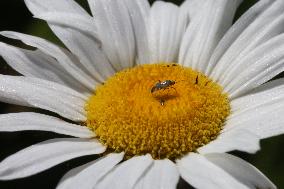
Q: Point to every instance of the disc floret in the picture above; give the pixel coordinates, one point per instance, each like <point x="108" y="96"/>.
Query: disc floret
<point x="128" y="115"/>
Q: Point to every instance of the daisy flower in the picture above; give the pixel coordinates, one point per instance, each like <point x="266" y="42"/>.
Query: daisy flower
<point x="160" y="92"/>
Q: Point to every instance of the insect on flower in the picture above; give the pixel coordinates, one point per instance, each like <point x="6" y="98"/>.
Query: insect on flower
<point x="166" y="84"/>
<point x="163" y="85"/>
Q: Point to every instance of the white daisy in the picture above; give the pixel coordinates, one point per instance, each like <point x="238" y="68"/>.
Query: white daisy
<point x="153" y="121"/>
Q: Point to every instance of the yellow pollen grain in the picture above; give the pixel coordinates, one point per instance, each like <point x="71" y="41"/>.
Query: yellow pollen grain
<point x="168" y="123"/>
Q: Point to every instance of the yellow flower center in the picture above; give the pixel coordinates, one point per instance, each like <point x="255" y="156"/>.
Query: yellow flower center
<point x="165" y="110"/>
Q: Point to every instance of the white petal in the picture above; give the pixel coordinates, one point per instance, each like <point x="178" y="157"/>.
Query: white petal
<point x="266" y="94"/>
<point x="233" y="33"/>
<point x="43" y="94"/>
<point x="79" y="22"/>
<point x="241" y="170"/>
<point x="191" y="7"/>
<point x="34" y="121"/>
<point x="260" y="112"/>
<point x="115" y="31"/>
<point x="139" y="11"/>
<point x="44" y="155"/>
<point x="165" y="28"/>
<point x="235" y="140"/>
<point x="205" y="30"/>
<point x="259" y="66"/>
<point x="255" y="27"/>
<point x="86" y="176"/>
<point x="38" y="64"/>
<point x="203" y="174"/>
<point x="68" y="63"/>
<point x="88" y="51"/>
<point x="85" y="47"/>
<point x="265" y="124"/>
<point x="39" y="6"/>
<point x="245" y="59"/>
<point x="163" y="174"/>
<point x="126" y="174"/>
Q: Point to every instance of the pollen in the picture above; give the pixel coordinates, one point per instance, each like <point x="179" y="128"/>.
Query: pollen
<point x="164" y="109"/>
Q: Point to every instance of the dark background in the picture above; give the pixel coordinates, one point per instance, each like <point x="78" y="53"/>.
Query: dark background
<point x="15" y="16"/>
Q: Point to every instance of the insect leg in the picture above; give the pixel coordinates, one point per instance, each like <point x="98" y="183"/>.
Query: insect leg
<point x="207" y="83"/>
<point x="196" y="80"/>
<point x="162" y="102"/>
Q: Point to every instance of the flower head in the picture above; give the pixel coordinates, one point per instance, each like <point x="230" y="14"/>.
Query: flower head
<point x="161" y="92"/>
